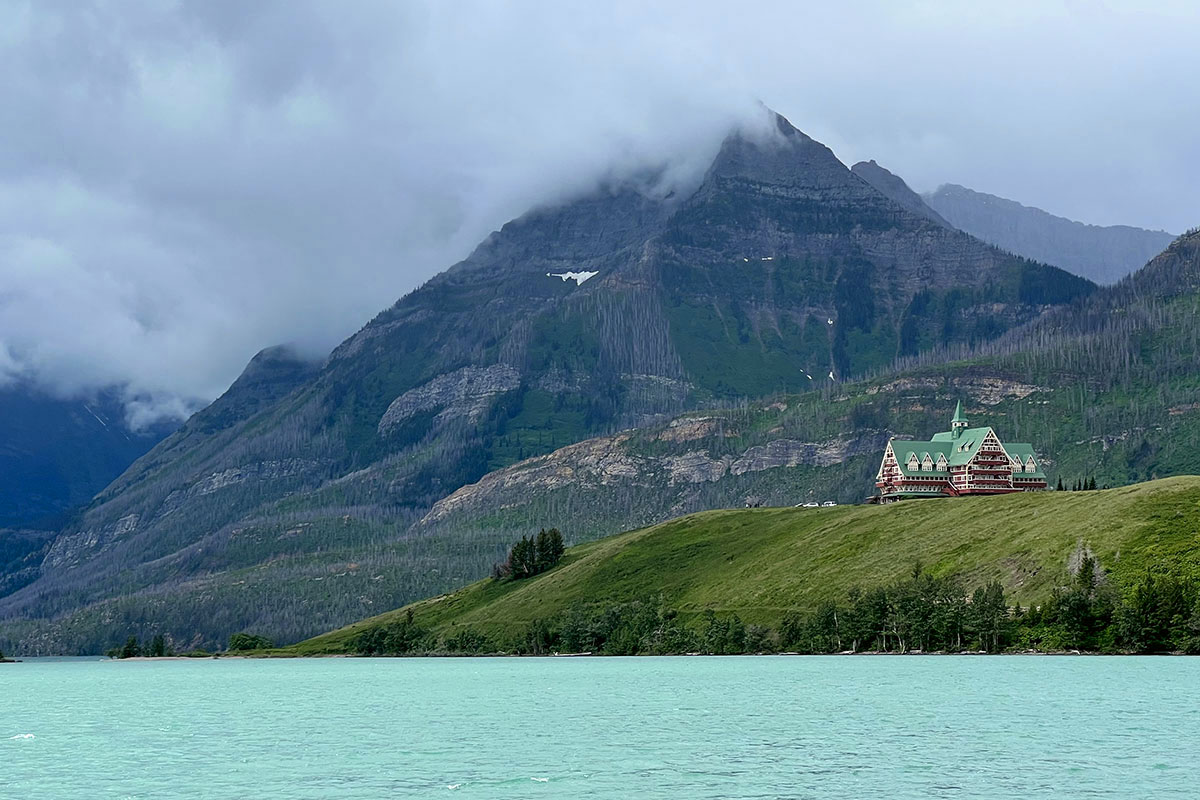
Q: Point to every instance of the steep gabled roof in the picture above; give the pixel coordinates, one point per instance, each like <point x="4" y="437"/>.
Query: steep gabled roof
<point x="966" y="433"/>
<point x="1024" y="452"/>
<point x="961" y="449"/>
<point x="903" y="449"/>
<point x="958" y="447"/>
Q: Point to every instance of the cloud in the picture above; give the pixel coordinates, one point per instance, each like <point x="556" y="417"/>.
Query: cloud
<point x="183" y="184"/>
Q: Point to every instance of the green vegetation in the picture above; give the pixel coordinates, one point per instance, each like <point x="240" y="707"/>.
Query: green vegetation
<point x="157" y="648"/>
<point x="768" y="577"/>
<point x="531" y="556"/>
<point x="919" y="613"/>
<point x="241" y="642"/>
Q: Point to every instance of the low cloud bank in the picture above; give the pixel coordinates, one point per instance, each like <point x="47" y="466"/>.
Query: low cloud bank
<point x="184" y="184"/>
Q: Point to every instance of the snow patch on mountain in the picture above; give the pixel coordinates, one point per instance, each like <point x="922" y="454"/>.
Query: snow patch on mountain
<point x="578" y="277"/>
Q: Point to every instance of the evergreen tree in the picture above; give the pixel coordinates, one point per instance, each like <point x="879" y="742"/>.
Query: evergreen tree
<point x="1060" y="486"/>
<point x="531" y="555"/>
<point x="989" y="612"/>
<point x="1084" y="608"/>
<point x="522" y="559"/>
<point x="538" y="638"/>
<point x="578" y="632"/>
<point x="723" y="637"/>
<point x="791" y="632"/>
<point x="540" y="552"/>
<point x="550" y="548"/>
<point x="131" y="648"/>
<point x="1153" y="614"/>
<point x="858" y="621"/>
<point x="158" y="646"/>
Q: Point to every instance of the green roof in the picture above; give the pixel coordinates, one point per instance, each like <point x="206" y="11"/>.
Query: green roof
<point x="902" y="449"/>
<point x="958" y="450"/>
<point x="958" y="415"/>
<point x="1025" y="452"/>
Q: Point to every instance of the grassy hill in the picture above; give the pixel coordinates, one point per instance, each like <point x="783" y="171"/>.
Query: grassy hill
<point x="763" y="563"/>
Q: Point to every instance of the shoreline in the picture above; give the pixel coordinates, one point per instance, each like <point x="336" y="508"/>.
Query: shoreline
<point x="912" y="654"/>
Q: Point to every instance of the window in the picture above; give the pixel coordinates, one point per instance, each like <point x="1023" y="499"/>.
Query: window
<point x="1029" y="465"/>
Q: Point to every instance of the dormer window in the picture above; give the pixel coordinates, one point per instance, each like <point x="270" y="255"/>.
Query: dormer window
<point x="927" y="464"/>
<point x="1029" y="465"/>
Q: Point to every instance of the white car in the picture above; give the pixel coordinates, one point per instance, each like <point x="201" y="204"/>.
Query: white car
<point x="828" y="504"/>
<point x="811" y="504"/>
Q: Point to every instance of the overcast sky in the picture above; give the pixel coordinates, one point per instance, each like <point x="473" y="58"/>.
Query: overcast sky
<point x="183" y="184"/>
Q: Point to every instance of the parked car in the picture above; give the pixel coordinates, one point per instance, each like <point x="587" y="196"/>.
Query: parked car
<point x="812" y="504"/>
<point x="828" y="504"/>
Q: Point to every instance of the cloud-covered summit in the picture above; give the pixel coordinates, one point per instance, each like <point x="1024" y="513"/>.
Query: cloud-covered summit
<point x="183" y="184"/>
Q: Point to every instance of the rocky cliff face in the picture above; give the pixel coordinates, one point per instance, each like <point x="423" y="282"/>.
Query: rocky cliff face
<point x="782" y="271"/>
<point x="466" y="392"/>
<point x="1101" y="254"/>
<point x="709" y="460"/>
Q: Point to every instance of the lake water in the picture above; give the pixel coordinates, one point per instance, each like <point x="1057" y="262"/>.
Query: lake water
<point x="734" y="727"/>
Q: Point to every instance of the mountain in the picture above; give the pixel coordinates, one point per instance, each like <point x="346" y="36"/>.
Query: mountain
<point x="56" y="454"/>
<point x="762" y="564"/>
<point x="1105" y="388"/>
<point x="293" y="506"/>
<point x="894" y="187"/>
<point x="1101" y="254"/>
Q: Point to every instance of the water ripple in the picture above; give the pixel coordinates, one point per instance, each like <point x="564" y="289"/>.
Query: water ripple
<point x="606" y="728"/>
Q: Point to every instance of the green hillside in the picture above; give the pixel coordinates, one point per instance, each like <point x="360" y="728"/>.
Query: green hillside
<point x="761" y="564"/>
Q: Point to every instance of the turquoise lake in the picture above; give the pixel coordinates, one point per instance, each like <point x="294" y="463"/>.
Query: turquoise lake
<point x="732" y="727"/>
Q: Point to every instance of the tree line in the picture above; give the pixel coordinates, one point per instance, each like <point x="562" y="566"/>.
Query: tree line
<point x="922" y="612"/>
<point x="1081" y="485"/>
<point x="159" y="647"/>
<point x="133" y="648"/>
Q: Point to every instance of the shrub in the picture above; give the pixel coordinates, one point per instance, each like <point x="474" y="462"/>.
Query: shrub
<point x="240" y="642"/>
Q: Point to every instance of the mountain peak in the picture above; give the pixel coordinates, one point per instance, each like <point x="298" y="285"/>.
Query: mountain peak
<point x="894" y="187"/>
<point x="780" y="154"/>
<point x="1101" y="254"/>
